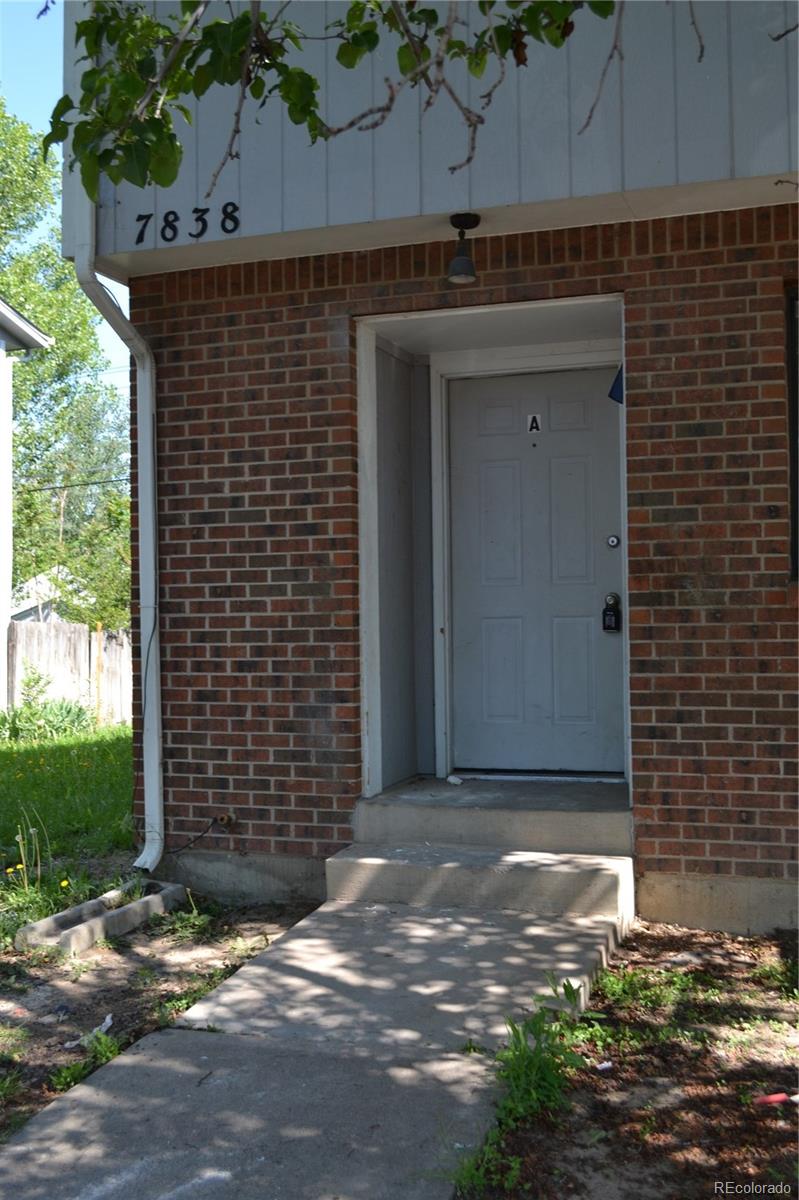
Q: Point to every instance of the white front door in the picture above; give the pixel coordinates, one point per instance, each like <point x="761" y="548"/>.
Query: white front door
<point x="535" y="502"/>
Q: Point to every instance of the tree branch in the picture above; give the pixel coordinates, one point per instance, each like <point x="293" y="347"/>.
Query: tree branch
<point x="488" y="96"/>
<point x="777" y="37"/>
<point x="169" y="61"/>
<point x="231" y="150"/>
<point x="692" y="14"/>
<point x="615" y="50"/>
<point x="413" y="41"/>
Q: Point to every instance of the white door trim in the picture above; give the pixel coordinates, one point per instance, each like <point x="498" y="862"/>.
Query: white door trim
<point x="368" y="559"/>
<point x="496" y="361"/>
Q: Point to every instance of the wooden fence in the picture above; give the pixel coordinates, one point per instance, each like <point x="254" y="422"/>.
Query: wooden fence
<point x="92" y="668"/>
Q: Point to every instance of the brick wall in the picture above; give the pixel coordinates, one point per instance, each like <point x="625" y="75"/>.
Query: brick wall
<point x="258" y="553"/>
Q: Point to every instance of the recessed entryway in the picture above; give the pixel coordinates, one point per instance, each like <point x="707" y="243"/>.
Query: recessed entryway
<point x="492" y="530"/>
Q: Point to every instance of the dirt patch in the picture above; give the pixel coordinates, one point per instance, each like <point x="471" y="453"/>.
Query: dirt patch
<point x="696" y="1027"/>
<point x="48" y="1000"/>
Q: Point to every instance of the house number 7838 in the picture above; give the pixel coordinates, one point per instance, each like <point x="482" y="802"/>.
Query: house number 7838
<point x="170" y="223"/>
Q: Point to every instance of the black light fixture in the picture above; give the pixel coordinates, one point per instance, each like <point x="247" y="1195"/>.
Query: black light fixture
<point x="461" y="269"/>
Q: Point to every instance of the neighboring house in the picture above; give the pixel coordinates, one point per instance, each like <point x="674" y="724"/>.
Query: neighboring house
<point x="37" y="599"/>
<point x="391" y="508"/>
<point x="16" y="333"/>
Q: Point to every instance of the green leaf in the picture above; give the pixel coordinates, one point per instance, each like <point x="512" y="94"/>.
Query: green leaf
<point x="348" y="55"/>
<point x="553" y="35"/>
<point x="89" y="80"/>
<point x="424" y="16"/>
<point x="204" y="76"/>
<point x="503" y="35"/>
<point x="355" y="14"/>
<point x="165" y="161"/>
<point x="407" y="60"/>
<point x="257" y="87"/>
<point x="135" y="163"/>
<point x="532" y="22"/>
<point x="90" y="175"/>
<point x="64" y="106"/>
<point x="477" y="63"/>
<point x="601" y="8"/>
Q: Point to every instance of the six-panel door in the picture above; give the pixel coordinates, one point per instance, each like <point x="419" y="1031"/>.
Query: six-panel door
<point x="535" y="495"/>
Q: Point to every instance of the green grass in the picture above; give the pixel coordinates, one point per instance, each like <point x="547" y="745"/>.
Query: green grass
<point x="780" y="977"/>
<point x="19" y="905"/>
<point x="76" y="791"/>
<point x="652" y="989"/>
<point x="10" y="1086"/>
<point x="13" y="1040"/>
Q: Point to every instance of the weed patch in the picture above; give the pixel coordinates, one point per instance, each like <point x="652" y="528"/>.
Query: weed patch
<point x="10" y="1085"/>
<point x="199" y="924"/>
<point x="198" y="986"/>
<point x="534" y="1069"/>
<point x="100" y="1049"/>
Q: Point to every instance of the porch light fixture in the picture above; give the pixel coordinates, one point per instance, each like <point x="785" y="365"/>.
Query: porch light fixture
<point x="461" y="269"/>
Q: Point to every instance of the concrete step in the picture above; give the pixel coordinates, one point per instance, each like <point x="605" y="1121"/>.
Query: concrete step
<point x="482" y="877"/>
<point x="566" y="819"/>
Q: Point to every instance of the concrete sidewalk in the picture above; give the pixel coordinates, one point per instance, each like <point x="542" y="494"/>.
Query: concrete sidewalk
<point x="330" y="1067"/>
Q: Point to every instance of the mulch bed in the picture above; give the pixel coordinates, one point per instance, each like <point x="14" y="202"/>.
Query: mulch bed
<point x="47" y="1000"/>
<point x="675" y="1115"/>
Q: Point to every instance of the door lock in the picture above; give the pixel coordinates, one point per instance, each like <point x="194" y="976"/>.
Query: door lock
<point x="611" y="614"/>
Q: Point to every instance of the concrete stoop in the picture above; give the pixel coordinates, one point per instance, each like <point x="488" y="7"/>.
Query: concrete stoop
<point x="560" y="817"/>
<point x="552" y="848"/>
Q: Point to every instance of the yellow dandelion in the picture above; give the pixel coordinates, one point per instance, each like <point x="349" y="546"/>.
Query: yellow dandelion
<point x="19" y="867"/>
<point x="10" y="870"/>
<point x="64" y="883"/>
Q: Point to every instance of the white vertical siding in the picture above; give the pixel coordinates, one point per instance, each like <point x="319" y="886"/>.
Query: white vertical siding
<point x="663" y="119"/>
<point x="648" y="70"/>
<point x="444" y="143"/>
<point x="350" y="157"/>
<point x="704" y="140"/>
<point x="544" y="100"/>
<point x="397" y="149"/>
<point x="494" y="174"/>
<point x="759" y="117"/>
<point x="596" y="154"/>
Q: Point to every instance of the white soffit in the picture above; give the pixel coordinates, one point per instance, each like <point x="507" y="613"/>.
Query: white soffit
<point x="535" y="323"/>
<point x="648" y="203"/>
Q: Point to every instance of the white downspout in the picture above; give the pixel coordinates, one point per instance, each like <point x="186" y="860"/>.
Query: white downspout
<point x="149" y="650"/>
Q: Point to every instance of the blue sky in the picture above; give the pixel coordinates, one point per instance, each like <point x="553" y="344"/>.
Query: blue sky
<point x="31" y="83"/>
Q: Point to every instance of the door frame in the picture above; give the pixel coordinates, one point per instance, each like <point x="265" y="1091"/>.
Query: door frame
<point x="473" y="364"/>
<point x="463" y="363"/>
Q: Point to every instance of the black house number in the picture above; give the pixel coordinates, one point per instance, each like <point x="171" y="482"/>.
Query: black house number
<point x="228" y="218"/>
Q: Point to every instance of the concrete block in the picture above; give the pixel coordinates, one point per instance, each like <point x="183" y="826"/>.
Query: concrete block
<point x="79" y="927"/>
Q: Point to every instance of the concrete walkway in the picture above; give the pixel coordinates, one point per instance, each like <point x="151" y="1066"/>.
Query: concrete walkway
<point x="330" y="1067"/>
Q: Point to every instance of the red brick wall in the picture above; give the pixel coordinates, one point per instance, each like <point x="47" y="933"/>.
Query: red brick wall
<point x="258" y="501"/>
